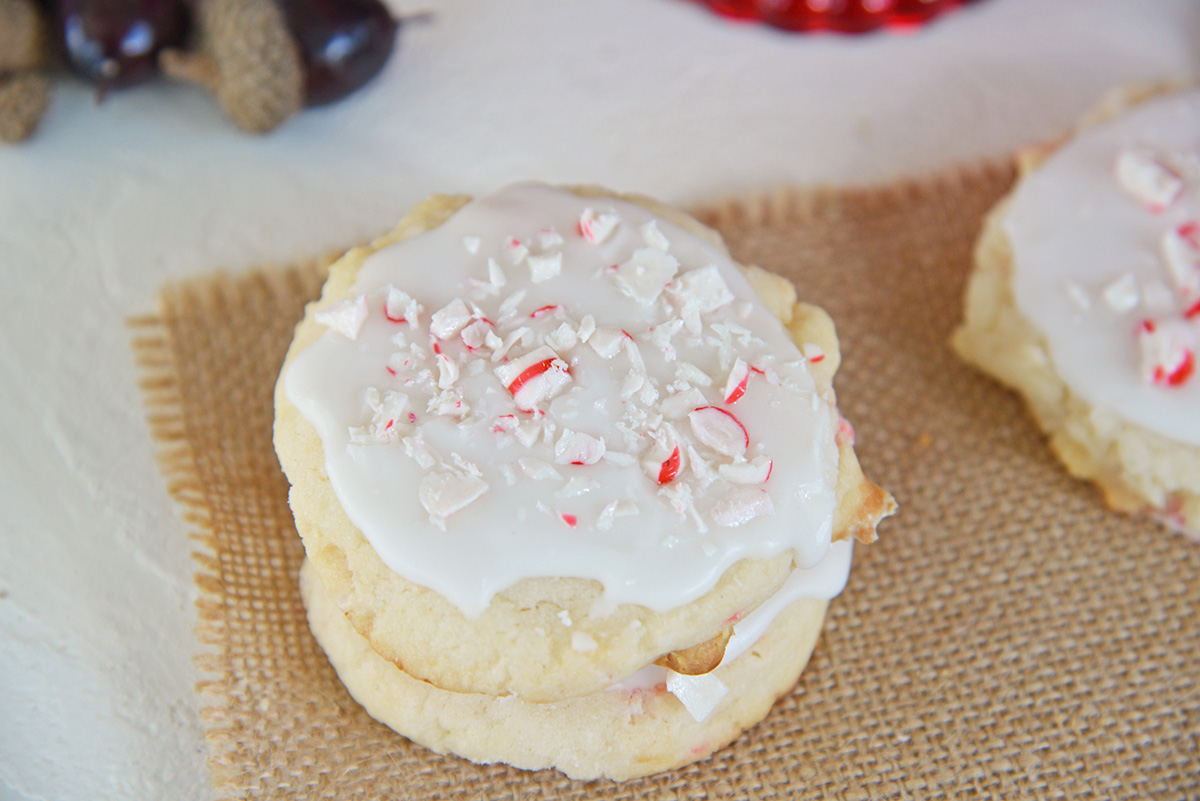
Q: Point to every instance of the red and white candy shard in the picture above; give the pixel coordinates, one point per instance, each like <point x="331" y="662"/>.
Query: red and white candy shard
<point x="400" y="308"/>
<point x="346" y="316"/>
<point x="596" y="226"/>
<point x="813" y="352"/>
<point x="443" y="493"/>
<point x="535" y="377"/>
<point x="741" y="505"/>
<point x="1144" y="176"/>
<point x="1168" y="352"/>
<point x="575" y="447"/>
<point x="1181" y="251"/>
<point x="646" y="274"/>
<point x="739" y="378"/>
<point x="719" y="430"/>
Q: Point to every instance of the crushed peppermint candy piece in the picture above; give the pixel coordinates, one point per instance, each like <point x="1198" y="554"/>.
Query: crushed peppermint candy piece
<point x="575" y="447"/>
<point x="595" y="226"/>
<point x="475" y="335"/>
<point x="549" y="238"/>
<point x="735" y="385"/>
<point x="450" y="319"/>
<point x="400" y="308"/>
<point x="668" y="469"/>
<point x="698" y="292"/>
<point x="1168" y="352"/>
<point x="752" y="472"/>
<point x="535" y="377"/>
<point x="345" y="316"/>
<point x="719" y="430"/>
<point x="646" y="274"/>
<point x="537" y="469"/>
<point x="682" y="403"/>
<point x="813" y="352"/>
<point x="1144" y="176"/>
<point x="1122" y="294"/>
<point x="653" y="237"/>
<point x="543" y="268"/>
<point x="607" y="342"/>
<point x="516" y="249"/>
<point x="741" y="505"/>
<point x="445" y="492"/>
<point x="471" y="244"/>
<point x="1181" y="251"/>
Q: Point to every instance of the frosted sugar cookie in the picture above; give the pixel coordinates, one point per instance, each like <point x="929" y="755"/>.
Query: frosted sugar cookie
<point x="542" y="440"/>
<point x="1086" y="299"/>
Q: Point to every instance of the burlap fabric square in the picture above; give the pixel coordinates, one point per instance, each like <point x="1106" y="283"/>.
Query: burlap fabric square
<point x="1007" y="637"/>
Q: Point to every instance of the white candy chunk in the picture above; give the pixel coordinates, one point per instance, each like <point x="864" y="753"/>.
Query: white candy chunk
<point x="575" y="447"/>
<point x="399" y="307"/>
<point x="537" y="469"/>
<point x="741" y="505"/>
<point x="471" y="244"/>
<point x="449" y="320"/>
<point x="493" y="340"/>
<point x="505" y="424"/>
<point x="1121" y="295"/>
<point x="682" y="403"/>
<point x="698" y="694"/>
<point x="1168" y="351"/>
<point x="587" y="327"/>
<point x="719" y="430"/>
<point x="596" y="225"/>
<point x="1181" y="251"/>
<point x="653" y="237"/>
<point x="618" y="458"/>
<point x="739" y="379"/>
<point x="543" y="268"/>
<point x="752" y="472"/>
<point x="1143" y="175"/>
<point x="563" y="338"/>
<point x="583" y="642"/>
<point x="443" y="493"/>
<point x="516" y="250"/>
<point x="449" y="403"/>
<point x="346" y="316"/>
<point x="447" y="371"/>
<point x="549" y="238"/>
<point x="496" y="273"/>
<point x="508" y="307"/>
<point x="1078" y="296"/>
<point x="536" y="377"/>
<point x="606" y="342"/>
<point x="646" y="274"/>
<point x="475" y="335"/>
<point x="691" y="374"/>
<point x="699" y="292"/>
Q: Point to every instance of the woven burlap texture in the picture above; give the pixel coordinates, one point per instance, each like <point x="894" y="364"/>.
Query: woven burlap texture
<point x="1007" y="637"/>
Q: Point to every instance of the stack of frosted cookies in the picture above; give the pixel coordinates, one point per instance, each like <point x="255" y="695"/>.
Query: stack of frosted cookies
<point x="1086" y="299"/>
<point x="572" y="484"/>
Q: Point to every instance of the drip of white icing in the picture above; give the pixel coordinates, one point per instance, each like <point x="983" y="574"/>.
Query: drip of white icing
<point x="470" y="414"/>
<point x="1075" y="222"/>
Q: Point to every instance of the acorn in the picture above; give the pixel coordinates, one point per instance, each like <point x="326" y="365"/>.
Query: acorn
<point x="265" y="60"/>
<point x="23" y="99"/>
<point x="22" y="36"/>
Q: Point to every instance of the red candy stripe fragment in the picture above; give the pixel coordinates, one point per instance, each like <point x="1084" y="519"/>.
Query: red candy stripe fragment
<point x="528" y="374"/>
<point x="670" y="468"/>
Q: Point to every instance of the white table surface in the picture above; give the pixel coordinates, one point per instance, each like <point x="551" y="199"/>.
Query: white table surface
<point x="110" y="201"/>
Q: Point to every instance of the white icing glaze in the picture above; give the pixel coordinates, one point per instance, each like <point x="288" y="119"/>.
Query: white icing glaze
<point x="1089" y="231"/>
<point x="540" y="452"/>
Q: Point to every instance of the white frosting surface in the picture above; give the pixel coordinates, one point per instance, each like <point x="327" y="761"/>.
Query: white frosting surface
<point x="468" y="469"/>
<point x="1087" y="230"/>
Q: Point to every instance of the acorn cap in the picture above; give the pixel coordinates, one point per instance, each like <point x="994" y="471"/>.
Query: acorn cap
<point x="23" y="99"/>
<point x="22" y="36"/>
<point x="247" y="58"/>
